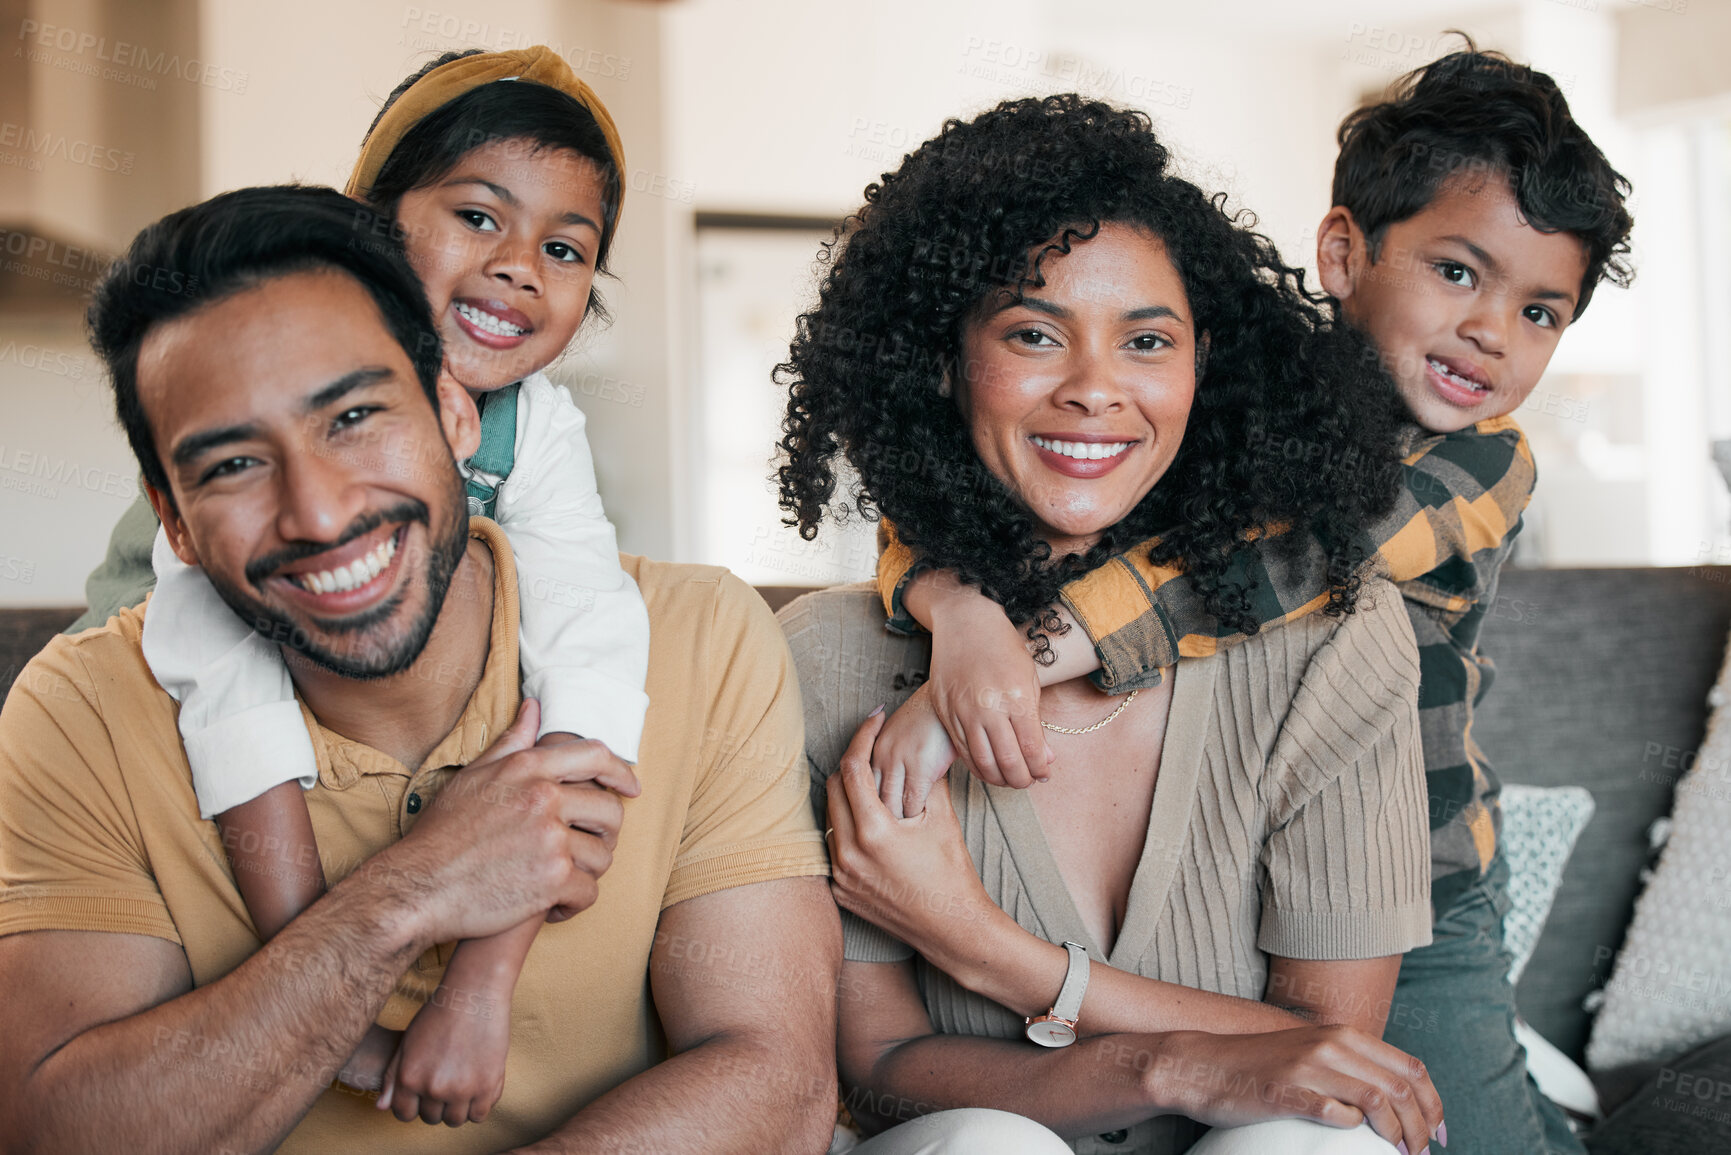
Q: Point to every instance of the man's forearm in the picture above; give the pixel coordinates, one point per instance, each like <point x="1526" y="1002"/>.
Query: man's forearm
<point x="731" y="1094"/>
<point x="235" y="1064"/>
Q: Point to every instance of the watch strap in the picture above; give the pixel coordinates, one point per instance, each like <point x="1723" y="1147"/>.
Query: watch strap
<point x="1069" y="1004"/>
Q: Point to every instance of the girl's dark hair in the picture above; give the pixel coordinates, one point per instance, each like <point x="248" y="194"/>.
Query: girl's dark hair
<point x="1479" y="115"/>
<point x="502" y="110"/>
<point x="234" y="242"/>
<point x="1293" y="424"/>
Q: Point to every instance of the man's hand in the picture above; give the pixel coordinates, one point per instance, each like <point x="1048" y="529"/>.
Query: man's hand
<point x="521" y="830"/>
<point x="985" y="686"/>
<point x="911" y="755"/>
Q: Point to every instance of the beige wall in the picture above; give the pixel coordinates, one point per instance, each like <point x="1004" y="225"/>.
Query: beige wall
<point x="285" y="94"/>
<point x="97" y="105"/>
<point x="792" y="106"/>
<point x="1672" y="52"/>
<point x="98" y="136"/>
<point x="317" y="76"/>
<point x="65" y="470"/>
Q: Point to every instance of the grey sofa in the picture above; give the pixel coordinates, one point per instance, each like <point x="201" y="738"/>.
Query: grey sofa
<point x="1602" y="682"/>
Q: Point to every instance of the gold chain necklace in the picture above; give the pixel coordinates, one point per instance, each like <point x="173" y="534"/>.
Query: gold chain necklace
<point x="1130" y="697"/>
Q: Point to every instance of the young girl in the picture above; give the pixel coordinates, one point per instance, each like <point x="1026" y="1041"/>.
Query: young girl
<point x="503" y="172"/>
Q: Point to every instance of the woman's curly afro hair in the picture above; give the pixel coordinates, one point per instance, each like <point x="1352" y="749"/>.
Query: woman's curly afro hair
<point x="1294" y="424"/>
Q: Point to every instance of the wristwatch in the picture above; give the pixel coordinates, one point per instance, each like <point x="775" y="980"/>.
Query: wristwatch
<point x="1057" y="1027"/>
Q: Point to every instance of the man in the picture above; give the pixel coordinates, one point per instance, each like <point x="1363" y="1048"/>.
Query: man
<point x="276" y="370"/>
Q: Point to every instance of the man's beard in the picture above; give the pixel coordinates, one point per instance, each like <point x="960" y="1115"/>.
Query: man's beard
<point x="367" y="658"/>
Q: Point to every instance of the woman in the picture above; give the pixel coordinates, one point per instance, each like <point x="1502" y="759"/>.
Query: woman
<point x="1242" y="854"/>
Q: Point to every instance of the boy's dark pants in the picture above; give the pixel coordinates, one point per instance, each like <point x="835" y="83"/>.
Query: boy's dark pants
<point x="1455" y="1008"/>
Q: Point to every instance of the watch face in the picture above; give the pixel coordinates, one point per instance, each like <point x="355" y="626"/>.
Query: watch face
<point x="1051" y="1033"/>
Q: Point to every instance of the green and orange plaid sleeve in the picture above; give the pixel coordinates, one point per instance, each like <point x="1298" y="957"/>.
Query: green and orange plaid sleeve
<point x="1463" y="494"/>
<point x="897" y="566"/>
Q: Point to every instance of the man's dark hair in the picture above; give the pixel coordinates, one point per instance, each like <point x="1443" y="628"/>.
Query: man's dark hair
<point x="237" y="241"/>
<point x="544" y="117"/>
<point x="1479" y="115"/>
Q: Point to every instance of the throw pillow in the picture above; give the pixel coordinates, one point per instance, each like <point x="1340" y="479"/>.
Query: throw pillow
<point x="1670" y="987"/>
<point x="1540" y="825"/>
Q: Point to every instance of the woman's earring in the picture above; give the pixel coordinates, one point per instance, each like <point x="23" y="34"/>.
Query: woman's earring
<point x="944" y="384"/>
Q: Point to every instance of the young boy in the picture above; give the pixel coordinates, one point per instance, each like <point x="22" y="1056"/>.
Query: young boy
<point x="1472" y="220"/>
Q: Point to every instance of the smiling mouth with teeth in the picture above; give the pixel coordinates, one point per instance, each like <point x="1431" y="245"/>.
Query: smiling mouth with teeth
<point x="1442" y="370"/>
<point x="482" y="319"/>
<point x="352" y="576"/>
<point x="1083" y="450"/>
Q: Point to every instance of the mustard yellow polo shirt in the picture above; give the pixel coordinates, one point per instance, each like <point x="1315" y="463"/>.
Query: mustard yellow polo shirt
<point x="99" y="830"/>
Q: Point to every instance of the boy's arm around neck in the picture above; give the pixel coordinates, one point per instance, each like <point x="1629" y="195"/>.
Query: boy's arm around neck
<point x="911" y="588"/>
<point x="1461" y="498"/>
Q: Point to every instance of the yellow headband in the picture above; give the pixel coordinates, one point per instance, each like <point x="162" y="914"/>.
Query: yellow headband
<point x="539" y="65"/>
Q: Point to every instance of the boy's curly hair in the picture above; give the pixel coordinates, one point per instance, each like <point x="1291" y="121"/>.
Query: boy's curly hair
<point x="1293" y="424"/>
<point x="1479" y="115"/>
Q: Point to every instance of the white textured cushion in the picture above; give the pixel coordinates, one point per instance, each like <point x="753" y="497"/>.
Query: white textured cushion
<point x="1540" y="825"/>
<point x="1671" y="986"/>
<point x="1559" y="1077"/>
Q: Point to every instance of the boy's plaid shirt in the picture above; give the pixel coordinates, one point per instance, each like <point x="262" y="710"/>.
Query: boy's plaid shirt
<point x="1444" y="545"/>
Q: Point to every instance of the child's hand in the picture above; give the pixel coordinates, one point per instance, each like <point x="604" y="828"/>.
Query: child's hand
<point x="910" y="755"/>
<point x="365" y="1070"/>
<point x="557" y="738"/>
<point x="986" y="691"/>
<point x="451" y="1066"/>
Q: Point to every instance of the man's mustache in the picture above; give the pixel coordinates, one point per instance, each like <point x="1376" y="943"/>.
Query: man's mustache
<point x="259" y="569"/>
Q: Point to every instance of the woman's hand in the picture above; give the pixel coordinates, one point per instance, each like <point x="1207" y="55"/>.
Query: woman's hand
<point x="985" y="688"/>
<point x="1335" y="1075"/>
<point x="910" y="876"/>
<point x="911" y="754"/>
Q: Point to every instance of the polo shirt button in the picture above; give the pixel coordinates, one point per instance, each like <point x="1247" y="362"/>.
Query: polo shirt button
<point x="414" y="803"/>
<point x="1115" y="1137"/>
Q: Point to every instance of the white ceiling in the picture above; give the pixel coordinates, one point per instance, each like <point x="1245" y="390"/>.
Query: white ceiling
<point x="1312" y="19"/>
